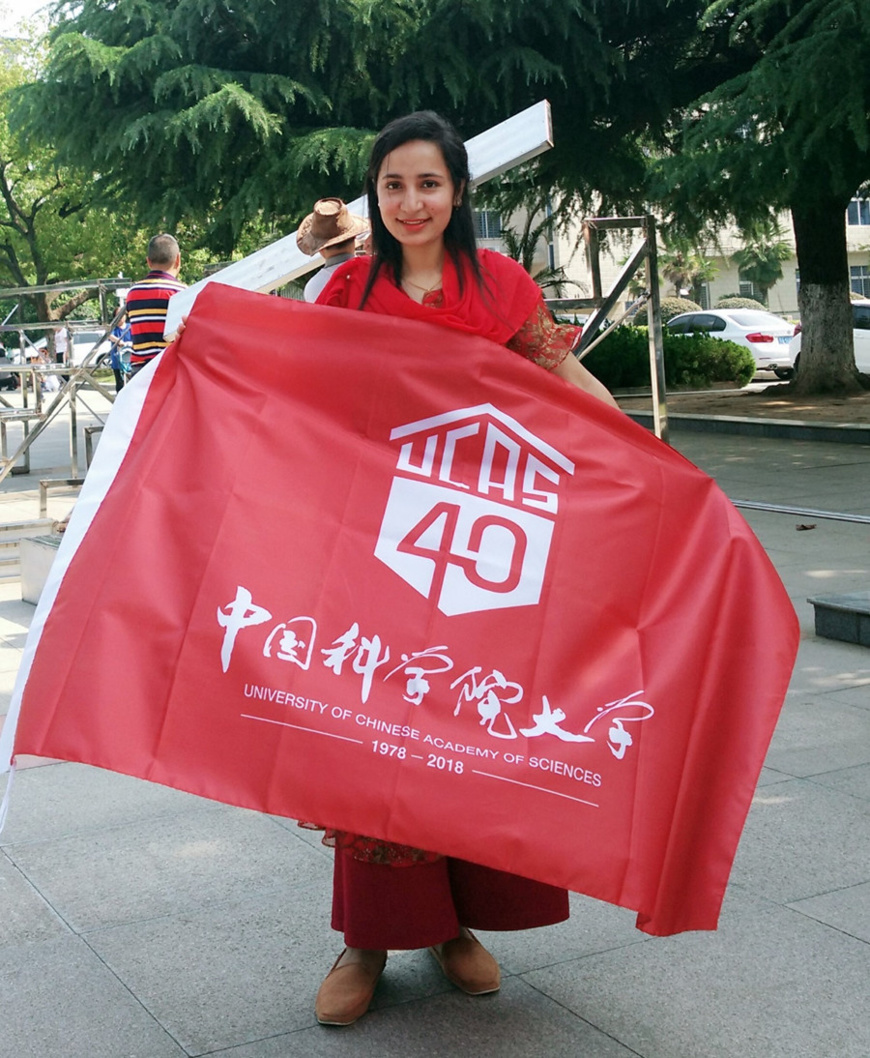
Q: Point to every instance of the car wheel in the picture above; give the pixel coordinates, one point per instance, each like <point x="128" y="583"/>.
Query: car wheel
<point x="784" y="373"/>
<point x="797" y="360"/>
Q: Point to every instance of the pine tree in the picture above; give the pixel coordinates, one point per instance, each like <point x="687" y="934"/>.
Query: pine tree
<point x="792" y="131"/>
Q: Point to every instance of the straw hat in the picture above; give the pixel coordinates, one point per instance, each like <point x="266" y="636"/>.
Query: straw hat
<point x="328" y="224"/>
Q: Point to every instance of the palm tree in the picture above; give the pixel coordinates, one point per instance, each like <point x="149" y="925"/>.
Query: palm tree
<point x="760" y="259"/>
<point x="684" y="265"/>
<point x="522" y="244"/>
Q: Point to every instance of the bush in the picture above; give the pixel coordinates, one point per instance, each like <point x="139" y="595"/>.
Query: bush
<point x="670" y="307"/>
<point x="621" y="361"/>
<point x="740" y="303"/>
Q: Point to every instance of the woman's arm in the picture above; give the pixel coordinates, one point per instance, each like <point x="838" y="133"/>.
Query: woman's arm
<point x="573" y="371"/>
<point x="551" y="345"/>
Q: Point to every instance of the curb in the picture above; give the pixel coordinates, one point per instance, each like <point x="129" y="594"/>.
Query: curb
<point x="795" y="429"/>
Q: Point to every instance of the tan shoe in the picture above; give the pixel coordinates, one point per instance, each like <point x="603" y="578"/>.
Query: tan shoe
<point x="468" y="965"/>
<point x="348" y="988"/>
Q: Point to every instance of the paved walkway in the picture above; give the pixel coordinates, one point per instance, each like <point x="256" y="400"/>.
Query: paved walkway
<point x="139" y="921"/>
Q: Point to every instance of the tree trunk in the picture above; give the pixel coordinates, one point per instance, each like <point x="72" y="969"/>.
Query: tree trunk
<point x="827" y="359"/>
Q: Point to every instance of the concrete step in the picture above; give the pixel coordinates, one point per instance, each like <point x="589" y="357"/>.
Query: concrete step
<point x="11" y="535"/>
<point x="845" y="617"/>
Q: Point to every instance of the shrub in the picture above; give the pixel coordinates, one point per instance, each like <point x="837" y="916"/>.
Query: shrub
<point x="735" y="302"/>
<point x="621" y="361"/>
<point x="699" y="360"/>
<point x="670" y="307"/>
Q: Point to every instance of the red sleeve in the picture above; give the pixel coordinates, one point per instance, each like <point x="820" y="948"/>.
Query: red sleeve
<point x="542" y="340"/>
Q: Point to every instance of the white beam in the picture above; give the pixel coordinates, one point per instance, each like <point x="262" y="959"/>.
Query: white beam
<point x="493" y="152"/>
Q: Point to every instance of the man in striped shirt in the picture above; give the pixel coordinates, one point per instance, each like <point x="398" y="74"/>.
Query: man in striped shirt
<point x="147" y="300"/>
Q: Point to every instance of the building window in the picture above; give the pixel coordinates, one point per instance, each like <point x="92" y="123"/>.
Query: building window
<point x="859" y="211"/>
<point x="702" y="295"/>
<point x="487" y="224"/>
<point x="860" y="279"/>
<point x="747" y="289"/>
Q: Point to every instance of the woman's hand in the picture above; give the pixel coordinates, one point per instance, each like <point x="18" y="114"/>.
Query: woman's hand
<point x="178" y="331"/>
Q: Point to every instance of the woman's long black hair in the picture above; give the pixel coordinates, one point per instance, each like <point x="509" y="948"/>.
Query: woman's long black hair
<point x="459" y="239"/>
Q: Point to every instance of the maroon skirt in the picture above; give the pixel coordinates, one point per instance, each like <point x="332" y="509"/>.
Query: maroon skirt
<point x="378" y="906"/>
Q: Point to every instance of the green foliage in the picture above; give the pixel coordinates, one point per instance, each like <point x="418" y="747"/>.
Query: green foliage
<point x="734" y="301"/>
<point x="621" y="360"/>
<point x="199" y="110"/>
<point x="50" y="231"/>
<point x="233" y="117"/>
<point x="781" y="122"/>
<point x="762" y="254"/>
<point x="218" y="112"/>
<point x="684" y="265"/>
<point x="669" y="307"/>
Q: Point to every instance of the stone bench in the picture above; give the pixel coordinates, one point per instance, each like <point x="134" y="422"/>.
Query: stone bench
<point x="845" y="617"/>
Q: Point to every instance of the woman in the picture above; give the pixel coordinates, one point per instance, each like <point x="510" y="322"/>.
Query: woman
<point x="121" y="339"/>
<point x="426" y="266"/>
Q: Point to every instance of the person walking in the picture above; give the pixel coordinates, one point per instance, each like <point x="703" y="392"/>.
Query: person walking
<point x="121" y="338"/>
<point x="147" y="301"/>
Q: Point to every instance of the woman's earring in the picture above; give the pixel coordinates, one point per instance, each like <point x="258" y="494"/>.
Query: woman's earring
<point x="457" y="203"/>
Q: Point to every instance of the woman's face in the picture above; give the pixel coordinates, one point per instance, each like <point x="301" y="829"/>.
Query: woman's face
<point x="416" y="194"/>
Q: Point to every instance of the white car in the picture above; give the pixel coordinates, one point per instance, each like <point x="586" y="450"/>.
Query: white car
<point x="83" y="342"/>
<point x="766" y="336"/>
<point x="860" y="332"/>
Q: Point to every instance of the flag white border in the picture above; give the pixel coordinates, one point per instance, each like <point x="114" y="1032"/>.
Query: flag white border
<point x="114" y="442"/>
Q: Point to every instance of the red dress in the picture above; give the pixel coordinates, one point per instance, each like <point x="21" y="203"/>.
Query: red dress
<point x="375" y="904"/>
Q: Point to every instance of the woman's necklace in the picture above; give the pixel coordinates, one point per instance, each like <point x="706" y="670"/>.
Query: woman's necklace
<point x="424" y="290"/>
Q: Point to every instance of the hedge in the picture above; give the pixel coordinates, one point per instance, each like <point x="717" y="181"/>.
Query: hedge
<point x="668" y="308"/>
<point x="733" y="301"/>
<point x="621" y="360"/>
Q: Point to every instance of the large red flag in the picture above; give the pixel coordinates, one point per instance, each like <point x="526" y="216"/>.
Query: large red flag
<point x="399" y="581"/>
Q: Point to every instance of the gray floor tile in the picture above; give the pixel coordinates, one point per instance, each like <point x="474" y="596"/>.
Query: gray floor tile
<point x="60" y="1001"/>
<point x="854" y="781"/>
<point x="847" y="910"/>
<point x="802" y="839"/>
<point x="163" y="866"/>
<point x="223" y="977"/>
<point x="818" y="733"/>
<point x="519" y="1022"/>
<point x="24" y="916"/>
<point x="859" y="696"/>
<point x="769" y="776"/>
<point x="10" y="657"/>
<point x="71" y="799"/>
<point x="828" y="665"/>
<point x="769" y="986"/>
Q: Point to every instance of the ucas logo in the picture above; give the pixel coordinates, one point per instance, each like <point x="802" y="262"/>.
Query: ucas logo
<point x="471" y="511"/>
